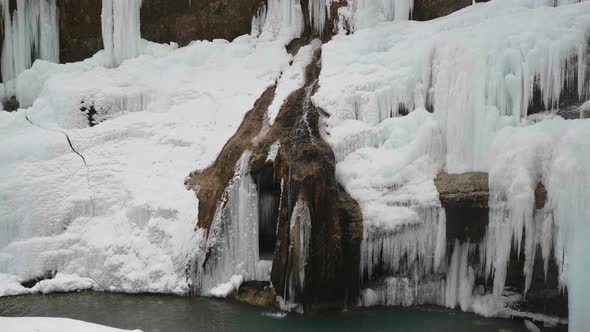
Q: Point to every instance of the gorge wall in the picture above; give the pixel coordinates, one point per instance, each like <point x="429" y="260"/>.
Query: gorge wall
<point x="278" y="207"/>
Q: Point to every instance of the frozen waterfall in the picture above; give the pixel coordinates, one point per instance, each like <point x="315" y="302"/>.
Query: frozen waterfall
<point x="121" y="33"/>
<point x="31" y="32"/>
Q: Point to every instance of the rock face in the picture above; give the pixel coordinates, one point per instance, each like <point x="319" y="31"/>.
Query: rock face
<point x="425" y="10"/>
<point x="471" y="190"/>
<point x="305" y="168"/>
<point x="79" y="29"/>
<point x="162" y="21"/>
<point x="182" y="21"/>
<point x="318" y="226"/>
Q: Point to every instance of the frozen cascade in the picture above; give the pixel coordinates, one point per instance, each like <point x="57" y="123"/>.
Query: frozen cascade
<point x="231" y="249"/>
<point x="415" y="65"/>
<point x="557" y="152"/>
<point x="367" y="13"/>
<point x="279" y="20"/>
<point x="121" y="32"/>
<point x="31" y="32"/>
<point x="319" y="13"/>
<point x="414" y="250"/>
<point x="406" y="292"/>
<point x="300" y="230"/>
<point x="455" y="288"/>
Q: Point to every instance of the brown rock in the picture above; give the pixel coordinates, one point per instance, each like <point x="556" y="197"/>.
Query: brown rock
<point x="471" y="190"/>
<point x="260" y="294"/>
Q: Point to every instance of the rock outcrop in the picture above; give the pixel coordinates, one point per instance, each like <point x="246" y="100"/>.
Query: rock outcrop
<point x="471" y="190"/>
<point x="318" y="226"/>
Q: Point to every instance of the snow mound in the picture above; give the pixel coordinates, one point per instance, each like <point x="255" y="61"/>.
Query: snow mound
<point x="41" y="324"/>
<point x="108" y="202"/>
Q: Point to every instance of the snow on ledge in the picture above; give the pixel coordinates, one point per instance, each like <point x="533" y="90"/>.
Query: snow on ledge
<point x="42" y="324"/>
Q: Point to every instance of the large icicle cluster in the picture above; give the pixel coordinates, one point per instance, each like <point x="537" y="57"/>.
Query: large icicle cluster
<point x="121" y="34"/>
<point x="30" y="33"/>
<point x="478" y="69"/>
<point x="366" y="13"/>
<point x="557" y="153"/>
<point x="279" y="20"/>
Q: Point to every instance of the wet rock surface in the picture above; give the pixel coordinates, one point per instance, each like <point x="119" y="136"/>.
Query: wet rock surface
<point x="257" y="293"/>
<point x="305" y="168"/>
<point x="301" y="173"/>
<point x="471" y="190"/>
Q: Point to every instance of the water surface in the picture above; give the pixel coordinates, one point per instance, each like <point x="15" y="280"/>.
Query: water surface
<point x="160" y="313"/>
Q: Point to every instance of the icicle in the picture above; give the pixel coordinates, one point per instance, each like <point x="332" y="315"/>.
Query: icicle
<point x="280" y="20"/>
<point x="300" y="229"/>
<point x="31" y="32"/>
<point x="232" y="242"/>
<point x="401" y="291"/>
<point x="416" y="248"/>
<point x="121" y="32"/>
<point x="319" y="13"/>
<point x="367" y="12"/>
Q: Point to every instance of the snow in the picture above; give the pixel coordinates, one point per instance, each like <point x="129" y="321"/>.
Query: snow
<point x="273" y="151"/>
<point x="223" y="290"/>
<point x="30" y="33"/>
<point x="121" y="33"/>
<point x="112" y="207"/>
<point x="41" y="324"/>
<point x="292" y="78"/>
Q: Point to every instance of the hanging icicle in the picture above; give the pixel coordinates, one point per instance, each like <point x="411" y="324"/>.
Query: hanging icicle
<point x="31" y="32"/>
<point x="121" y="33"/>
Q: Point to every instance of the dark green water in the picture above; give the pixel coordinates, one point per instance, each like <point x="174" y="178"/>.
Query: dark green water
<point x="158" y="313"/>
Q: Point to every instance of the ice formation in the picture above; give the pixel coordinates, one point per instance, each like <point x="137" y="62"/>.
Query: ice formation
<point x="300" y="230"/>
<point x="555" y="152"/>
<point x="366" y="13"/>
<point x="279" y="20"/>
<point x="121" y="33"/>
<point x="292" y="79"/>
<point x="30" y="33"/>
<point x="477" y="70"/>
<point x="121" y="216"/>
<point x="319" y="13"/>
<point x="231" y="251"/>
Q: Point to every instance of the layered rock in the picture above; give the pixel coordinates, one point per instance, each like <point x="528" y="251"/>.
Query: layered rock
<point x="471" y="190"/>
